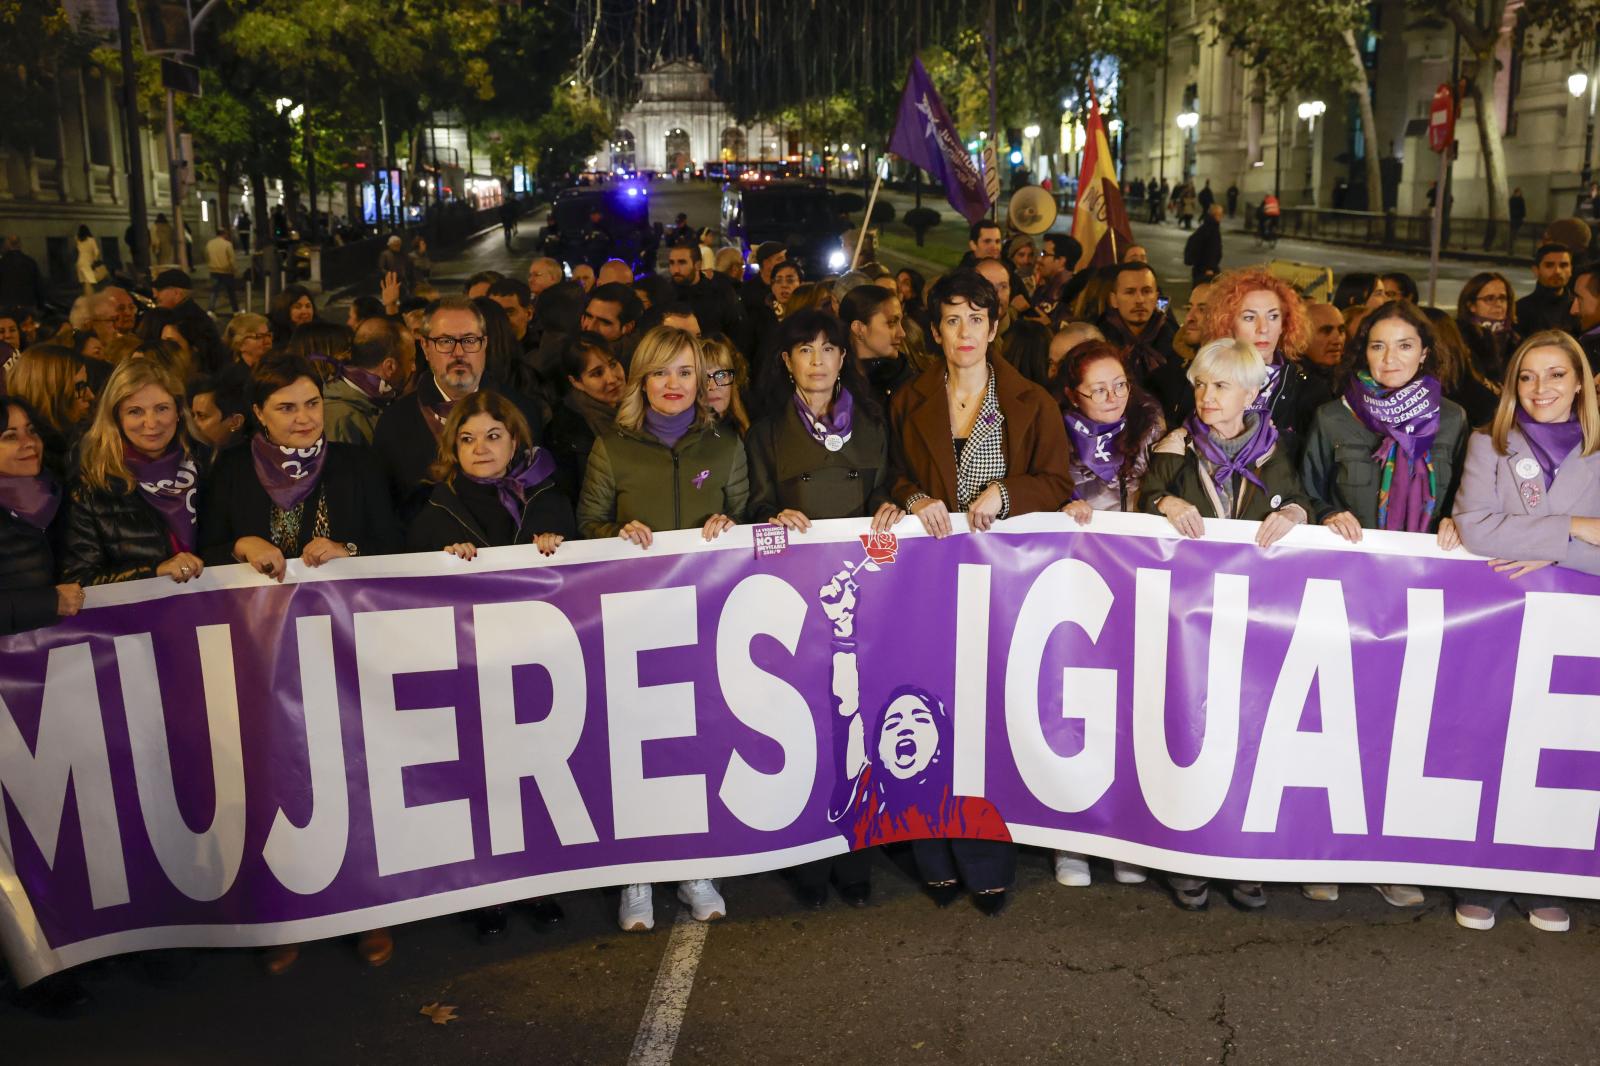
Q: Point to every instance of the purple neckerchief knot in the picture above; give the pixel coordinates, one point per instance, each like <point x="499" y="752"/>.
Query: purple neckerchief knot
<point x="32" y="500"/>
<point x="288" y="475"/>
<point x="369" y="383"/>
<point x="167" y="484"/>
<point x="526" y="473"/>
<point x="669" y="429"/>
<point x="1550" y="442"/>
<point x="1262" y="439"/>
<point x="1096" y="443"/>
<point x="835" y="426"/>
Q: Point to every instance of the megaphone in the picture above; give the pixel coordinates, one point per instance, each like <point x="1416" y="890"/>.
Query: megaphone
<point x="1032" y="210"/>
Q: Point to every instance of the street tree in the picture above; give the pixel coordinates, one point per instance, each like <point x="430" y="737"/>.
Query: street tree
<point x="1313" y="51"/>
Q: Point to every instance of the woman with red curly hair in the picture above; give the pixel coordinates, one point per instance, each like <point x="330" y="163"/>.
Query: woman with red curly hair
<point x="1265" y="312"/>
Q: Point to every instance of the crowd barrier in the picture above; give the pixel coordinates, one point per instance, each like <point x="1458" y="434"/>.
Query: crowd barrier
<point x="235" y="762"/>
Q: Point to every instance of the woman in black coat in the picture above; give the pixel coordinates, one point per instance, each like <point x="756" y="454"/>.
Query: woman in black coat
<point x="492" y="486"/>
<point x="30" y="500"/>
<point x="132" y="512"/>
<point x="594" y="380"/>
<point x="291" y="493"/>
<point x="822" y="453"/>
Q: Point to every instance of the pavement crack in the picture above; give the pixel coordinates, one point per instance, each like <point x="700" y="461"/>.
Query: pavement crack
<point x="1153" y="999"/>
<point x="1219" y="1017"/>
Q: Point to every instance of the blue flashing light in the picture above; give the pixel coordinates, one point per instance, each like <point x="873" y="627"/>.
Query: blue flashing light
<point x="633" y="190"/>
<point x="1016" y="157"/>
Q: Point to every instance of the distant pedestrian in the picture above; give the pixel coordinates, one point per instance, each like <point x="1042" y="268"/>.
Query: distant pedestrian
<point x="224" y="270"/>
<point x="21" y="283"/>
<point x="1233" y="200"/>
<point x="90" y="267"/>
<point x="1206" y="197"/>
<point x="161" y="247"/>
<point x="1518" y="211"/>
<point x="1203" y="251"/>
<point x="393" y="260"/>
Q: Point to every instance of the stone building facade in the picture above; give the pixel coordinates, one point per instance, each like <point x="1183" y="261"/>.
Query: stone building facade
<point x="679" y="122"/>
<point x="1245" y="138"/>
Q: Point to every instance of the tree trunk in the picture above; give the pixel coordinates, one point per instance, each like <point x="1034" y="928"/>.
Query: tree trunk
<point x="1489" y="137"/>
<point x="1369" y="123"/>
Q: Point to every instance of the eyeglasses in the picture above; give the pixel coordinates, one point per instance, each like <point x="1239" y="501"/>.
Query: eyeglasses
<point x="720" y="377"/>
<point x="1497" y="298"/>
<point x="263" y="335"/>
<point x="467" y="342"/>
<point x="1101" y="393"/>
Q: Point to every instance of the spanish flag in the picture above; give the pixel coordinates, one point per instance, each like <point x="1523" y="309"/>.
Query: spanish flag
<point x="1100" y="221"/>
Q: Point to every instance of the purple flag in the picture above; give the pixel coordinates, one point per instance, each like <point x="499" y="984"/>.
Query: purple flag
<point x="924" y="135"/>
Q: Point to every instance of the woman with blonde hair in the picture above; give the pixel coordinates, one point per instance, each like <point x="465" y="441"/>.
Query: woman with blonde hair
<point x="727" y="378"/>
<point x="665" y="464"/>
<point x="55" y="383"/>
<point x="1530" y="498"/>
<point x="248" y="337"/>
<point x="1264" y="311"/>
<point x="132" y="512"/>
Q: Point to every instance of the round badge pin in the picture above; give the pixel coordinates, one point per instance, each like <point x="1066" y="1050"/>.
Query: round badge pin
<point x="833" y="442"/>
<point x="1277" y="502"/>
<point x="1527" y="467"/>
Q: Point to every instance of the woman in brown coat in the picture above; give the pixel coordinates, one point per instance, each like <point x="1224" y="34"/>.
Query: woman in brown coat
<point x="971" y="434"/>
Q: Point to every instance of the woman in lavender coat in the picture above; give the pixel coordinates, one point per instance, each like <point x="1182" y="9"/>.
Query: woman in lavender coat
<point x="1530" y="498"/>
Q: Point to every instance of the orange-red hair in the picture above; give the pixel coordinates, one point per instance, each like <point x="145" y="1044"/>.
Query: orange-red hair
<point x="1227" y="300"/>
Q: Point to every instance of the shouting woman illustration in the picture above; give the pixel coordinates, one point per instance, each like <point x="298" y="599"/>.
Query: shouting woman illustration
<point x="902" y="789"/>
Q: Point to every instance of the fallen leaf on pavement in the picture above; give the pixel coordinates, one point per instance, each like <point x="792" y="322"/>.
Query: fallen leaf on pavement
<point x="440" y="1014"/>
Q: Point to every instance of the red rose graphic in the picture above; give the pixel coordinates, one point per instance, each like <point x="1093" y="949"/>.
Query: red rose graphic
<point x="880" y="547"/>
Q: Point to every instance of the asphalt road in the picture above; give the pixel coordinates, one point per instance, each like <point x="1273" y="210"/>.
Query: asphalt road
<point x="1110" y="973"/>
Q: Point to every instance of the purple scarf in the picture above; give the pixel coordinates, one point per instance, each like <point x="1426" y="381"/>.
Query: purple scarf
<point x="669" y="429"/>
<point x="1243" y="464"/>
<point x="1094" y="442"/>
<point x="1408" y="415"/>
<point x="288" y="474"/>
<point x="1269" y="388"/>
<point x="369" y="384"/>
<point x="833" y="432"/>
<point x="33" y="500"/>
<point x="167" y="484"/>
<point x="1550" y="442"/>
<point x="524" y="474"/>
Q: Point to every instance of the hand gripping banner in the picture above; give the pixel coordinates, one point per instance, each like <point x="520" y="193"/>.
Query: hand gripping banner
<point x="234" y="762"/>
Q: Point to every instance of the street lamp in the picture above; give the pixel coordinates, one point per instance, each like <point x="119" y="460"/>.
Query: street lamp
<point x="1187" y="121"/>
<point x="1031" y="130"/>
<point x="1577" y="84"/>
<point x="1309" y="111"/>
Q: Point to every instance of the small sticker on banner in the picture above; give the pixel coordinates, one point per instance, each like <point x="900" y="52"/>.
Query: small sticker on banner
<point x="880" y="547"/>
<point x="1527" y="467"/>
<point x="771" y="539"/>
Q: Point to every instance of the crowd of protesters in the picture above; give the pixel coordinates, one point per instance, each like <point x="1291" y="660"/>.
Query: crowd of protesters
<point x="539" y="410"/>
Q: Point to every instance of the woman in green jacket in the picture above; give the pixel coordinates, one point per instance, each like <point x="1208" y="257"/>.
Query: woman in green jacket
<point x="1224" y="462"/>
<point x="666" y="464"/>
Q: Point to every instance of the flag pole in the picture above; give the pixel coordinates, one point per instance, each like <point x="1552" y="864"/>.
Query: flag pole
<point x="866" y="220"/>
<point x="994" y="120"/>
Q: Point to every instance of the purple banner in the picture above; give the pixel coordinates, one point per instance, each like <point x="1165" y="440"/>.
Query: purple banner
<point x="234" y="762"/>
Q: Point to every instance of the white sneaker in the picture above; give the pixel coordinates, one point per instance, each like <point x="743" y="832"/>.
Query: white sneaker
<point x="1127" y="874"/>
<point x="637" y="913"/>
<point x="1550" y="919"/>
<point x="1401" y="895"/>
<point x="703" y="899"/>
<point x="1322" y="893"/>
<point x="1072" y="870"/>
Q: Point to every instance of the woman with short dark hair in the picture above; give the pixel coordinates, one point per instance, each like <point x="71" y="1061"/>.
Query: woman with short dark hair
<point x="593" y="378"/>
<point x="971" y="434"/>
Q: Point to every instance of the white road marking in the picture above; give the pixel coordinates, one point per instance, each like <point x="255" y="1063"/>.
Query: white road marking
<point x="669" y="998"/>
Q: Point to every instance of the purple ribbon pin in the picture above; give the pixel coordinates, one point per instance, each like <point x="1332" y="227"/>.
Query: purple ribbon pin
<point x="700" y="478"/>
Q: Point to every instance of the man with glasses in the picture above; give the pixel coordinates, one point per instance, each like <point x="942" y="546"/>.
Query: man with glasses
<point x="407" y="437"/>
